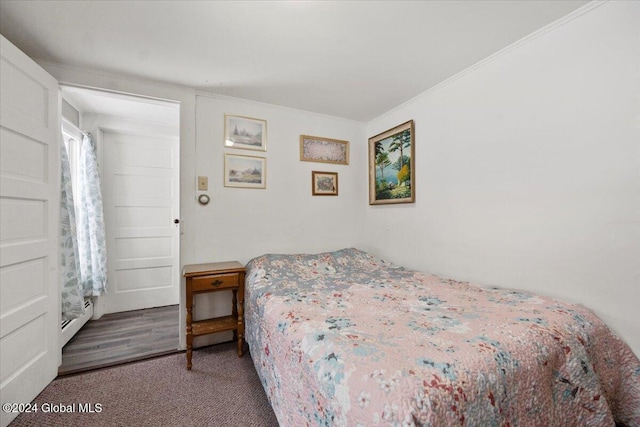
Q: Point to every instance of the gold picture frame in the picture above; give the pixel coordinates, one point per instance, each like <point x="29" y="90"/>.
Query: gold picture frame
<point x="324" y="183"/>
<point x="394" y="149"/>
<point x="324" y="150"/>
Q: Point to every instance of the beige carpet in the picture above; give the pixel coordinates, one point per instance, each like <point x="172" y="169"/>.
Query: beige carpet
<point x="221" y="390"/>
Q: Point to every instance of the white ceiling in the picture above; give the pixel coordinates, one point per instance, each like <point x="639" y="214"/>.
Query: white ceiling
<point x="351" y="59"/>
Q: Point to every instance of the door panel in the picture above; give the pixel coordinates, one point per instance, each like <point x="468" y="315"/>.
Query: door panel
<point x="141" y="200"/>
<point x="17" y="146"/>
<point x="29" y="211"/>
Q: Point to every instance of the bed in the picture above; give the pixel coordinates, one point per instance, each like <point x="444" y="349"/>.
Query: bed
<point x="346" y="339"/>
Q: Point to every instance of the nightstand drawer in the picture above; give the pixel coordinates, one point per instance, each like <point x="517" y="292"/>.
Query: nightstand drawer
<point x="214" y="282"/>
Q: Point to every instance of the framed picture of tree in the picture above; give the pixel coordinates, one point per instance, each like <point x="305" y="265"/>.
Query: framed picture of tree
<point x="391" y="166"/>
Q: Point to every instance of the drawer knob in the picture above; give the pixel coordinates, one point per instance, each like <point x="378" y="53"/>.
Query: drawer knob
<point x="216" y="283"/>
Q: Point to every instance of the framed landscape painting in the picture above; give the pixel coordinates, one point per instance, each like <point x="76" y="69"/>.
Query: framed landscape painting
<point x="245" y="132"/>
<point x="245" y="171"/>
<point x="391" y="166"/>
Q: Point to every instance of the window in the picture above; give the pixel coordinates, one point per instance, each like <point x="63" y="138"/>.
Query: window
<point x="72" y="137"/>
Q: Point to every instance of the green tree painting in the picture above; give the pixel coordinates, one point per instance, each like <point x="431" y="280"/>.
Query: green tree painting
<point x="392" y="166"/>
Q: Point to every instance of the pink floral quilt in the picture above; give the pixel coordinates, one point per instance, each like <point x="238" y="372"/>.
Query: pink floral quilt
<point x="346" y="339"/>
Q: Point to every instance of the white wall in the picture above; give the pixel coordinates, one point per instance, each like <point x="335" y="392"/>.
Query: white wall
<point x="528" y="170"/>
<point x="238" y="223"/>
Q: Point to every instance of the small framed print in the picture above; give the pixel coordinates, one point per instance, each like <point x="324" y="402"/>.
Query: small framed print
<point x="245" y="132"/>
<point x="324" y="183"/>
<point x="245" y="171"/>
<point x="324" y="150"/>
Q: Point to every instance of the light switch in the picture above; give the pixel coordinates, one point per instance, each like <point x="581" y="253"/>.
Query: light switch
<point x="203" y="183"/>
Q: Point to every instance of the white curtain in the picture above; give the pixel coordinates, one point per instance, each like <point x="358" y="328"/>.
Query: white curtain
<point x="90" y="218"/>
<point x="83" y="252"/>
<point x="72" y="293"/>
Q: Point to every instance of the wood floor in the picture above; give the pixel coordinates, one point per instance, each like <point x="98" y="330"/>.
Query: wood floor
<point x="122" y="337"/>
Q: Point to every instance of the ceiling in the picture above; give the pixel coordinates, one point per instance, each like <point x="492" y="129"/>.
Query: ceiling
<point x="351" y="59"/>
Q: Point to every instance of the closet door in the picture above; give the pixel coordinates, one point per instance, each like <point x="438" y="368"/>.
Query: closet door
<point x="29" y="215"/>
<point x="141" y="190"/>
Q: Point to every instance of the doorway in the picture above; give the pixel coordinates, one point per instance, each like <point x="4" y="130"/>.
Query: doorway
<point x="137" y="144"/>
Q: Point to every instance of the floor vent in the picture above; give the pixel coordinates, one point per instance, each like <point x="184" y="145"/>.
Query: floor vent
<point x="65" y="323"/>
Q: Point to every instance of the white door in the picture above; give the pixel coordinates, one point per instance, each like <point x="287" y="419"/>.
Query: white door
<point x="141" y="202"/>
<point x="29" y="212"/>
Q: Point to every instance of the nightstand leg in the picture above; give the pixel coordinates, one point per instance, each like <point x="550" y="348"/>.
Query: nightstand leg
<point x="240" y="345"/>
<point x="234" y="311"/>
<point x="189" y="336"/>
<point x="241" y="317"/>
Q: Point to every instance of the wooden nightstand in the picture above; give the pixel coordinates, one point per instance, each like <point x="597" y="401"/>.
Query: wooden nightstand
<point x="213" y="277"/>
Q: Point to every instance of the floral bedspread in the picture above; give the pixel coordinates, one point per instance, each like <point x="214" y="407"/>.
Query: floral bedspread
<point x="345" y="339"/>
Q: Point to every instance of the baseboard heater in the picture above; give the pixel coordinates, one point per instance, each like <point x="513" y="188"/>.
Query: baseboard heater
<point x="70" y="327"/>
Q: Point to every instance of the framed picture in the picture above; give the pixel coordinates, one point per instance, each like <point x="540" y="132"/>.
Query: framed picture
<point x="245" y="133"/>
<point x="245" y="171"/>
<point x="324" y="150"/>
<point x="391" y="166"/>
<point x="324" y="183"/>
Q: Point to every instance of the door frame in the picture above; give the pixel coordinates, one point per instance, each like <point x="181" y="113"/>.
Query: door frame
<point x="99" y="307"/>
<point x="68" y="76"/>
